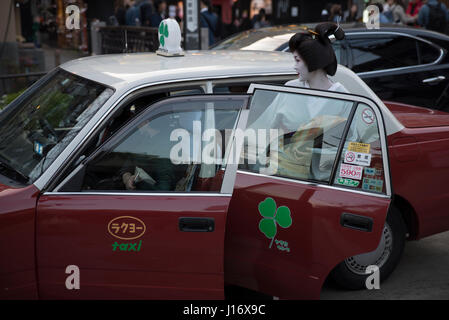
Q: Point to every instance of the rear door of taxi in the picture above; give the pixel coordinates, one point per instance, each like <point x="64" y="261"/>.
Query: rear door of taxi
<point x="310" y="195"/>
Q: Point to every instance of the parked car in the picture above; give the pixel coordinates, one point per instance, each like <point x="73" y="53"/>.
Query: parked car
<point x="87" y="180"/>
<point x="401" y="64"/>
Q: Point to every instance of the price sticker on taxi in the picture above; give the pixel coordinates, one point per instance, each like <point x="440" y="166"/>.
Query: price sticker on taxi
<point x="350" y="171"/>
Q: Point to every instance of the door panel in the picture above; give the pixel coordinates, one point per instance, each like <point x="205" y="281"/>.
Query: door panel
<point x="17" y="246"/>
<point x="325" y="198"/>
<point x="170" y="264"/>
<point x="409" y="86"/>
<point x="316" y="240"/>
<point x="144" y="216"/>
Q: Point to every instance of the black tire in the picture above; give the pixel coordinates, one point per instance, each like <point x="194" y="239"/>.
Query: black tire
<point x="346" y="278"/>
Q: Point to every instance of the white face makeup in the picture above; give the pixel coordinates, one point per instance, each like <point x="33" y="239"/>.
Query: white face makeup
<point x="301" y="67"/>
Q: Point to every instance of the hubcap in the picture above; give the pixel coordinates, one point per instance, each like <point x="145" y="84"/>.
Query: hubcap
<point x="378" y="257"/>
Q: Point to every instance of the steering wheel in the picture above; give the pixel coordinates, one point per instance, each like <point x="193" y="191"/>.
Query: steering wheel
<point x="46" y="125"/>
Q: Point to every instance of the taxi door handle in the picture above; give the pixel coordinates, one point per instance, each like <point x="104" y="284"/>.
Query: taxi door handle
<point x="434" y="80"/>
<point x="353" y="221"/>
<point x="196" y="224"/>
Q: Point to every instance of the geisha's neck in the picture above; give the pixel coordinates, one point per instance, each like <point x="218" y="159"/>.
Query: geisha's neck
<point x="318" y="79"/>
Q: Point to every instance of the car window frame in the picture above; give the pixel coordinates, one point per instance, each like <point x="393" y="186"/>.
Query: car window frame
<point x="54" y="175"/>
<point x="382" y="34"/>
<point x="357" y="99"/>
<point x="116" y="106"/>
<point x="230" y="168"/>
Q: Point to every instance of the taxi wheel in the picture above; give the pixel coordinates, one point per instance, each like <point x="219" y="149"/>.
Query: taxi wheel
<point x="350" y="274"/>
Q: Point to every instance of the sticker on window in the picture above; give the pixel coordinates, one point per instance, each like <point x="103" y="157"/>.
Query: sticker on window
<point x="350" y="171"/>
<point x="348" y="182"/>
<point x="358" y="158"/>
<point x="372" y="184"/>
<point x="38" y="148"/>
<point x="359" y="147"/>
<point x="368" y="116"/>
<point x="373" y="172"/>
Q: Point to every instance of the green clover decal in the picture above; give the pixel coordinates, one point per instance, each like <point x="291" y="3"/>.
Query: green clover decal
<point x="272" y="218"/>
<point x="163" y="30"/>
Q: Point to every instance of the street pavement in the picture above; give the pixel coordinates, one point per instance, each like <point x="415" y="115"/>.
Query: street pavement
<point x="422" y="273"/>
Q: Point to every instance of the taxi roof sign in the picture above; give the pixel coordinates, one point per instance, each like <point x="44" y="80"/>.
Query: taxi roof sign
<point x="169" y="35"/>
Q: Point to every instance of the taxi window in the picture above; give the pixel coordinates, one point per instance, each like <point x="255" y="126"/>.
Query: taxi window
<point x="242" y="87"/>
<point x="176" y="147"/>
<point x="294" y="136"/>
<point x="177" y="93"/>
<point x="360" y="165"/>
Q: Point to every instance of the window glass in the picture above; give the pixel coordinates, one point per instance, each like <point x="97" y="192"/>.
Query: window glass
<point x="242" y="87"/>
<point x="338" y="51"/>
<point x="370" y="54"/>
<point x="177" y="93"/>
<point x="230" y="88"/>
<point x="428" y="53"/>
<point x="35" y="130"/>
<point x="305" y="134"/>
<point x="360" y="165"/>
<point x="177" y="147"/>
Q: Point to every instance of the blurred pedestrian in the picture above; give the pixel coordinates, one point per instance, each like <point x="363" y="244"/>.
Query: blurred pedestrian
<point x="133" y="14"/>
<point x="336" y="13"/>
<point x="261" y="20"/>
<point x="383" y="19"/>
<point x="36" y="34"/>
<point x="433" y="16"/>
<point x="326" y="12"/>
<point x="398" y="11"/>
<point x="120" y="12"/>
<point x="413" y="7"/>
<point x="352" y="15"/>
<point x="160" y="8"/>
<point x="208" y="20"/>
<point x="245" y="22"/>
<point x="146" y="10"/>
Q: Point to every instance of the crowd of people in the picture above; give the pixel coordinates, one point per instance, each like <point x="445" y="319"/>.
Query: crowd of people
<point x="429" y="14"/>
<point x="150" y="13"/>
<point x="147" y="13"/>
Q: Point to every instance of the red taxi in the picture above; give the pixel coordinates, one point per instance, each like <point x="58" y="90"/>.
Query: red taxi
<point x="104" y="169"/>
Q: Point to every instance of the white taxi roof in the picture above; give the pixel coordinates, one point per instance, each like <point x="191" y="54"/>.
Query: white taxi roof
<point x="131" y="70"/>
<point x="124" y="72"/>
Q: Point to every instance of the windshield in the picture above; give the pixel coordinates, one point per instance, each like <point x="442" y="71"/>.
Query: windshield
<point x="255" y="40"/>
<point x="35" y="128"/>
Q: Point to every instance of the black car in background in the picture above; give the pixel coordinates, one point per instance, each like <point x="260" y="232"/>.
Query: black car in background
<point x="403" y="64"/>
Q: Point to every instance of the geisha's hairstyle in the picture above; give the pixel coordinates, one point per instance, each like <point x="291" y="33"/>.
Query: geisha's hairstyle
<point x="314" y="46"/>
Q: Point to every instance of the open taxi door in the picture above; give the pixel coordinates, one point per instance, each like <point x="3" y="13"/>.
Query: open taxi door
<point x="309" y="196"/>
<point x="144" y="216"/>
